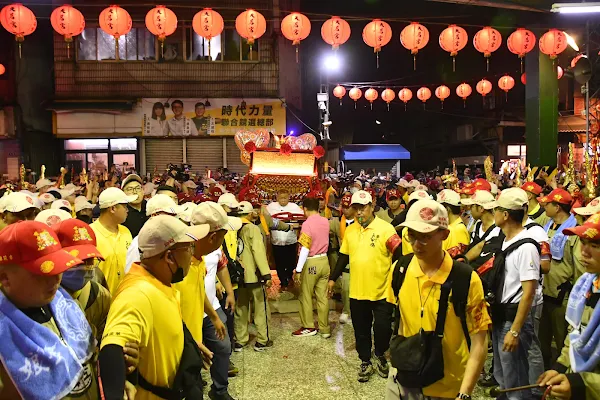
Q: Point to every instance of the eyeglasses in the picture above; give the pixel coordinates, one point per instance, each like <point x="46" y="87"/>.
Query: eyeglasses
<point x="133" y="189"/>
<point x="422" y="238"/>
<point x="188" y="247"/>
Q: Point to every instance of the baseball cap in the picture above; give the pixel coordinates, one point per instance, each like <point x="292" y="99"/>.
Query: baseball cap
<point x="560" y="196"/>
<point x="426" y="216"/>
<point x="200" y="198"/>
<point x="254" y="199"/>
<point x="402" y="183"/>
<point x="392" y="194"/>
<point x="482" y="184"/>
<point x="418" y="195"/>
<point x="215" y="193"/>
<point x="162" y="232"/>
<point x="511" y="199"/>
<point x="35" y="247"/>
<point x="77" y="238"/>
<point x="414" y="183"/>
<point x="468" y="191"/>
<point x="229" y="200"/>
<point x="46" y="198"/>
<point x="83" y="206"/>
<point x="161" y="203"/>
<point x="481" y="198"/>
<point x="346" y="200"/>
<point x="66" y="192"/>
<point x="211" y="181"/>
<point x="17" y="202"/>
<point x="42" y="183"/>
<point x="131" y="178"/>
<point x="113" y="196"/>
<point x="213" y="214"/>
<point x="589" y="230"/>
<point x="190" y="184"/>
<point x="185" y="212"/>
<point x="53" y="217"/>
<point x="449" y="196"/>
<point x="361" y="197"/>
<point x="532" y="187"/>
<point x="58" y="204"/>
<point x="592" y="208"/>
<point x="245" y="208"/>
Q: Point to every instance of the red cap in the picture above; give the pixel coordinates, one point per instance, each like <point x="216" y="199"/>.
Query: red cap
<point x="469" y="185"/>
<point x="77" y="238"/>
<point x="482" y="184"/>
<point x="34" y="246"/>
<point x="371" y="191"/>
<point x="468" y="190"/>
<point x="532" y="187"/>
<point x="346" y="200"/>
<point x="590" y="229"/>
<point x="230" y="185"/>
<point x="184" y="198"/>
<point x="200" y="198"/>
<point x="254" y="200"/>
<point x="215" y="193"/>
<point x="392" y="194"/>
<point x="560" y="196"/>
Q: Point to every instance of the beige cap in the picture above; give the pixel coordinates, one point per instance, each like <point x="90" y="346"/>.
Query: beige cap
<point x="511" y="199"/>
<point x="131" y="178"/>
<point x="414" y="183"/>
<point x="592" y="208"/>
<point x="52" y="216"/>
<point x="214" y="215"/>
<point x="229" y="200"/>
<point x="245" y="208"/>
<point x="426" y="216"/>
<point x="449" y="196"/>
<point x="403" y="183"/>
<point x="190" y="184"/>
<point x="42" y="183"/>
<point x="17" y="202"/>
<point x="161" y="203"/>
<point x="66" y="192"/>
<point x="481" y="198"/>
<point x="82" y="205"/>
<point x="46" y="198"/>
<point x="418" y="195"/>
<point x="113" y="196"/>
<point x="162" y="232"/>
<point x="421" y="187"/>
<point x="58" y="204"/>
<point x="361" y="197"/>
<point x="186" y="211"/>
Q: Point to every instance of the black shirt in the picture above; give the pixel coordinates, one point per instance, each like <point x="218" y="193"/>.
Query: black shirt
<point x="136" y="219"/>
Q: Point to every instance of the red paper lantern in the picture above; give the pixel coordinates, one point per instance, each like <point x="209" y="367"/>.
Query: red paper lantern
<point x="559" y="72"/>
<point x="250" y="25"/>
<point x="295" y="27"/>
<point x="208" y="23"/>
<point x="484" y="87"/>
<point x="553" y="42"/>
<point x="250" y="147"/>
<point x="67" y="21"/>
<point x="377" y="34"/>
<point x="506" y="83"/>
<point x="463" y="91"/>
<point x="424" y="94"/>
<point x="339" y="92"/>
<point x="487" y="41"/>
<point x="388" y="95"/>
<point x="524" y="78"/>
<point x="405" y="95"/>
<point x="161" y="22"/>
<point x="453" y="39"/>
<point x="335" y="32"/>
<point x="18" y="20"/>
<point x="521" y="42"/>
<point x="414" y="37"/>
<point x="2" y="69"/>
<point x="355" y="94"/>
<point x="371" y="95"/>
<point x="318" y="152"/>
<point x="442" y="93"/>
<point x="115" y="21"/>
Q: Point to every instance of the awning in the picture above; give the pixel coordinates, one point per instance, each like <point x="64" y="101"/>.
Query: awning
<point x="361" y="152"/>
<point x="571" y="123"/>
<point x="91" y="105"/>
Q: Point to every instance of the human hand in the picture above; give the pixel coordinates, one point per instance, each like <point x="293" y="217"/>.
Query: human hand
<point x="220" y="290"/>
<point x="268" y="283"/>
<point x="546" y="376"/>
<point x="560" y="387"/>
<point x="130" y="391"/>
<point x="297" y="277"/>
<point x="330" y="286"/>
<point x="207" y="356"/>
<point x="510" y="343"/>
<point x="131" y="353"/>
<point x="220" y="329"/>
<point x="230" y="302"/>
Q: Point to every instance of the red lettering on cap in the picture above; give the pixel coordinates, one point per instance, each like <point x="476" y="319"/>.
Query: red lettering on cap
<point x="362" y="195"/>
<point x="426" y="214"/>
<point x="29" y="200"/>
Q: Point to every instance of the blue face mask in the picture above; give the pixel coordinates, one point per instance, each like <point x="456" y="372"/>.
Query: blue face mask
<point x="75" y="279"/>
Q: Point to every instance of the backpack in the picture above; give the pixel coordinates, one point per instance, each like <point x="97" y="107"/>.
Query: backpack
<point x="236" y="271"/>
<point x="460" y="280"/>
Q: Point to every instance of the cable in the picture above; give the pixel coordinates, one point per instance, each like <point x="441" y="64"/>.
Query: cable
<point x="297" y="117"/>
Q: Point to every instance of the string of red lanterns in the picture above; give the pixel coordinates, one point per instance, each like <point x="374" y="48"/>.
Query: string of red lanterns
<point x="414" y="37"/>
<point x="18" y="20"/>
<point x="424" y="94"/>
<point x="161" y="22"/>
<point x="377" y="34"/>
<point x="487" y="41"/>
<point x="208" y="24"/>
<point x="68" y="22"/>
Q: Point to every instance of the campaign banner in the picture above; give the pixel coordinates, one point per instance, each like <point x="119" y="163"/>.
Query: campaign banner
<point x="222" y="117"/>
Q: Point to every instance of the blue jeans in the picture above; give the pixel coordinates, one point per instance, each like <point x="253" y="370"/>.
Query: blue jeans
<point x="514" y="369"/>
<point x="222" y="350"/>
<point x="536" y="360"/>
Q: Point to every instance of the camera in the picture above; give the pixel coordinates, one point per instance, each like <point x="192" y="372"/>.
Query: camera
<point x="180" y="173"/>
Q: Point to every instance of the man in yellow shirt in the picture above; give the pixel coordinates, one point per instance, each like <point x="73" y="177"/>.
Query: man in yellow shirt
<point x="112" y="238"/>
<point x="426" y="275"/>
<point x="458" y="238"/>
<point x="145" y="310"/>
<point x="369" y="247"/>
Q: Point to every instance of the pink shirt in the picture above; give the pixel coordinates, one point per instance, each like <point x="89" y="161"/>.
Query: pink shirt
<point x="315" y="235"/>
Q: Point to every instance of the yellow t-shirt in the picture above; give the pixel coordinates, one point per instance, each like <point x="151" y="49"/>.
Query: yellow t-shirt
<point x="406" y="246"/>
<point x="192" y="292"/>
<point x="113" y="248"/>
<point x="418" y="288"/>
<point x="371" y="250"/>
<point x="458" y="239"/>
<point x="146" y="312"/>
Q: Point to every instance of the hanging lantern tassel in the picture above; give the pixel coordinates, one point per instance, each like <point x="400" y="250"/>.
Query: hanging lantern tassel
<point x="355" y="104"/>
<point x="404" y="106"/>
<point x="69" y="50"/>
<point x="464" y="103"/>
<point x="453" y="54"/>
<point x="487" y="60"/>
<point x="209" y="53"/>
<point x="442" y="104"/>
<point x="162" y="47"/>
<point x="377" y="52"/>
<point x="20" y="40"/>
<point x="414" y="60"/>
<point x="521" y="64"/>
<point x="388" y="104"/>
<point x="250" y="43"/>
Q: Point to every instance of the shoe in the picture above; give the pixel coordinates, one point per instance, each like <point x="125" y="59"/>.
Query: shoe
<point x="225" y="396"/>
<point x="382" y="366"/>
<point x="325" y="335"/>
<point x="344" y="318"/>
<point x="237" y="347"/>
<point x="233" y="370"/>
<point x="305" y="332"/>
<point x="263" y="347"/>
<point x="488" y="381"/>
<point x="365" y="372"/>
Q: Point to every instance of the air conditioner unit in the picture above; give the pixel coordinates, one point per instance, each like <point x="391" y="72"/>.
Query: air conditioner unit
<point x="464" y="133"/>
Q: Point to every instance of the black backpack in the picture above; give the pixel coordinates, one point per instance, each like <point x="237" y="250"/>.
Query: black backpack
<point x="236" y="271"/>
<point x="460" y="278"/>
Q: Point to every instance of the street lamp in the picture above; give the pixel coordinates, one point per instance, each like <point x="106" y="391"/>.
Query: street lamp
<point x="332" y="63"/>
<point x="576" y="8"/>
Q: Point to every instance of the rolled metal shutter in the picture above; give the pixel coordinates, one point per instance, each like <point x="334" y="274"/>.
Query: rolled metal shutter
<point x="234" y="163"/>
<point x="161" y="152"/>
<point x="204" y="152"/>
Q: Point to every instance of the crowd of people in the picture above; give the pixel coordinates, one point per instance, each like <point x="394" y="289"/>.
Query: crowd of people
<point x="129" y="289"/>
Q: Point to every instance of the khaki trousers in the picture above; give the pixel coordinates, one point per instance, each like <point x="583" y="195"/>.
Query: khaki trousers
<point x="553" y="327"/>
<point x="343" y="282"/>
<point x="314" y="278"/>
<point x="255" y="296"/>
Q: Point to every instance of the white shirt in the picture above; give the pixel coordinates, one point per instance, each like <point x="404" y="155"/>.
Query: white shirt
<point x="210" y="280"/>
<point x="539" y="235"/>
<point x="279" y="238"/>
<point x="522" y="264"/>
<point x="181" y="127"/>
<point x="133" y="254"/>
<point x="494" y="233"/>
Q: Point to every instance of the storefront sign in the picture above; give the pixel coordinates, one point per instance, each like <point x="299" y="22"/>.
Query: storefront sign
<point x="223" y="117"/>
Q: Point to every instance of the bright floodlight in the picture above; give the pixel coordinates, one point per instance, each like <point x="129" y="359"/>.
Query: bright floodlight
<point x="378" y="122"/>
<point x="332" y="63"/>
<point x="576" y="8"/>
<point x="572" y="42"/>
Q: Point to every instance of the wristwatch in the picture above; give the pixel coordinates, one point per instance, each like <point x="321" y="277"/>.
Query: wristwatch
<point x="463" y="396"/>
<point x="514" y="333"/>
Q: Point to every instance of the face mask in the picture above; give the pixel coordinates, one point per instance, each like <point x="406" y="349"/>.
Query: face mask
<point x="76" y="279"/>
<point x="179" y="273"/>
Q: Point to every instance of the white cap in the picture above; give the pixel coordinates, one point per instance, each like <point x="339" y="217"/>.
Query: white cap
<point x="186" y="211"/>
<point x="426" y="216"/>
<point x="418" y="195"/>
<point x="361" y="197"/>
<point x="42" y="183"/>
<point x="421" y="187"/>
<point x="58" y="204"/>
<point x="414" y="183"/>
<point x="592" y="208"/>
<point x="161" y="203"/>
<point x="213" y="214"/>
<point x="81" y="199"/>
<point x="162" y="232"/>
<point x="245" y="207"/>
<point x="449" y="196"/>
<point x="481" y="198"/>
<point x="72" y="186"/>
<point x="131" y="178"/>
<point x="83" y="205"/>
<point x="403" y="183"/>
<point x="46" y="198"/>
<point x="113" y="196"/>
<point x="17" y="202"/>
<point x="511" y="199"/>
<point x="211" y="181"/>
<point x="66" y="192"/>
<point x="3" y="203"/>
<point x="229" y="200"/>
<point x="190" y="184"/>
<point x="52" y="217"/>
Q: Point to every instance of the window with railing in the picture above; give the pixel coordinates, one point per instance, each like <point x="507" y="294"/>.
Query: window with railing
<point x="96" y="45"/>
<point x="228" y="46"/>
